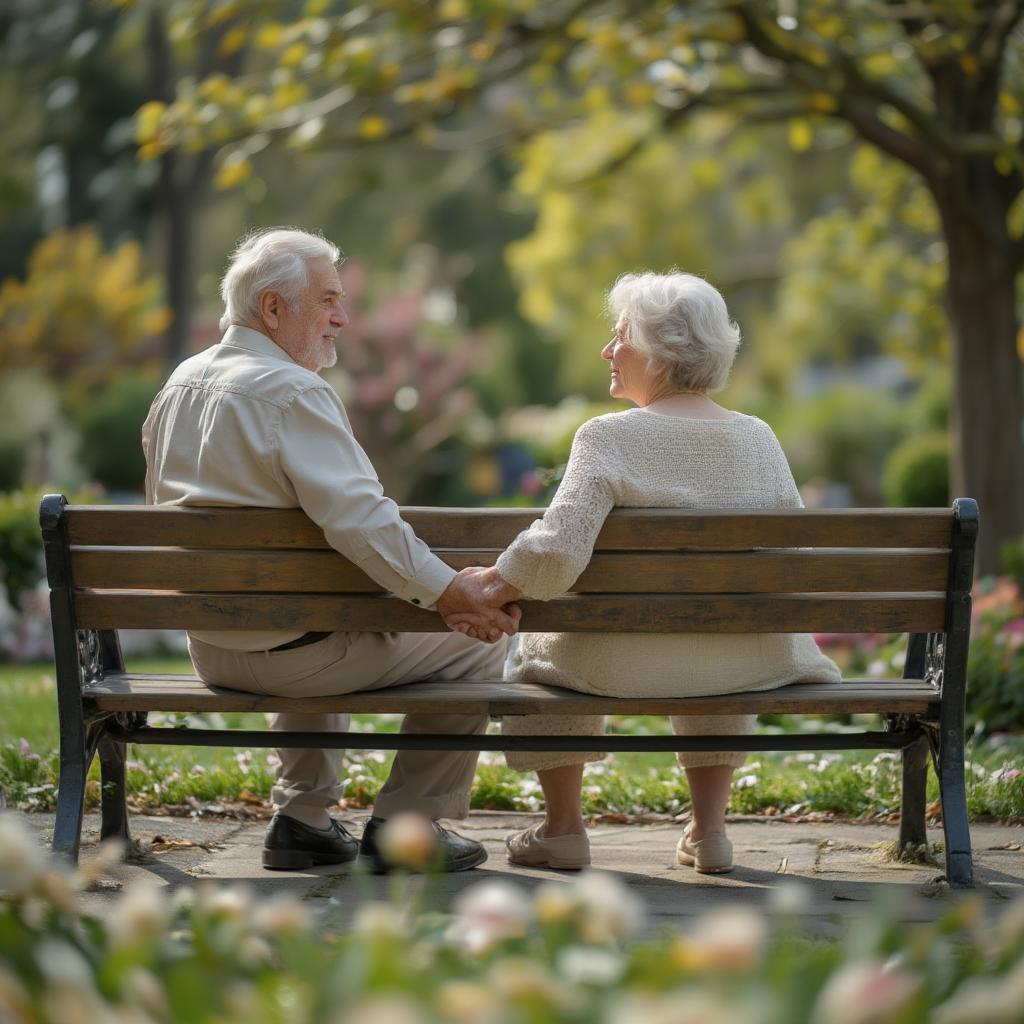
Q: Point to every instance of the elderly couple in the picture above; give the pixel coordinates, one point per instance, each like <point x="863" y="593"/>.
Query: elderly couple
<point x="249" y="422"/>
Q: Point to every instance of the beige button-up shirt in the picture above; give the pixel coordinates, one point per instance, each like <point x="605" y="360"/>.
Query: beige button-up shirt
<point x="243" y="424"/>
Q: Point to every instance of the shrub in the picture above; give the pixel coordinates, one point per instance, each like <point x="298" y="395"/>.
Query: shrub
<point x="111" y="448"/>
<point x="502" y="953"/>
<point x="1012" y="554"/>
<point x="916" y="474"/>
<point x="843" y="436"/>
<point x="21" y="542"/>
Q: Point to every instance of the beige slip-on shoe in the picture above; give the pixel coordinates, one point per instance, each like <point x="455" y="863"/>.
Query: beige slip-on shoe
<point x="711" y="855"/>
<point x="531" y="848"/>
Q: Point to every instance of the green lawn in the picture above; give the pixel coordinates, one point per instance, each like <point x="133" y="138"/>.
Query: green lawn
<point x="852" y="783"/>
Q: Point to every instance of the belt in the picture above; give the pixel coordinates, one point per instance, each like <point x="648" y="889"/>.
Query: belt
<point x="300" y="641"/>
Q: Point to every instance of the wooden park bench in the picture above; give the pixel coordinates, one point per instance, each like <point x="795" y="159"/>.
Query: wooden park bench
<point x="653" y="571"/>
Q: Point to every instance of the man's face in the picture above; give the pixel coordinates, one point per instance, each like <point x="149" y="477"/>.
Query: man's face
<point x="308" y="329"/>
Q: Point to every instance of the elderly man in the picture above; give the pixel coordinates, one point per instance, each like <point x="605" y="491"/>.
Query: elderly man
<point x="249" y="422"/>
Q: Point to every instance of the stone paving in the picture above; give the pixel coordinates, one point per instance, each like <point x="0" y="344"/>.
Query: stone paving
<point x="843" y="866"/>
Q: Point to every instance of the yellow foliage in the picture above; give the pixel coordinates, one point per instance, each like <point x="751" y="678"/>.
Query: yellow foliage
<point x="223" y="11"/>
<point x="269" y="36"/>
<point x="232" y="172"/>
<point x="288" y="94"/>
<point x="822" y="102"/>
<point x="293" y="55"/>
<point x="453" y="10"/>
<point x="1009" y="103"/>
<point x="374" y="127"/>
<point x="234" y="39"/>
<point x="801" y="135"/>
<point x="639" y="93"/>
<point x="147" y="120"/>
<point x="80" y="312"/>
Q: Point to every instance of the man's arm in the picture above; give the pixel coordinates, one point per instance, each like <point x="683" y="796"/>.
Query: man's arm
<point x="337" y="487"/>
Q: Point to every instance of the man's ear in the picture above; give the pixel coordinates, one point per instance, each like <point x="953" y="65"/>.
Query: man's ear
<point x="271" y="304"/>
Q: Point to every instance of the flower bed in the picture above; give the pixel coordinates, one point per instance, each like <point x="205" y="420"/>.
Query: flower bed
<point x="500" y="955"/>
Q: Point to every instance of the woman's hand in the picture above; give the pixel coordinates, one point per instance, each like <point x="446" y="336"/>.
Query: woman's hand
<point x="478" y="627"/>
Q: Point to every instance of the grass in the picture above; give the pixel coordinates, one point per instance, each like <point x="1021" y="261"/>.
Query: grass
<point x="848" y="783"/>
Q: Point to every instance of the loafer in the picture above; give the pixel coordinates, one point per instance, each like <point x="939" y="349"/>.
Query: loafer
<point x="711" y="855"/>
<point x="453" y="853"/>
<point x="289" y="845"/>
<point x="533" y="849"/>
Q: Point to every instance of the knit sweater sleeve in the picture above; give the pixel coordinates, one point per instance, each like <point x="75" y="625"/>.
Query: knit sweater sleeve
<point x="545" y="560"/>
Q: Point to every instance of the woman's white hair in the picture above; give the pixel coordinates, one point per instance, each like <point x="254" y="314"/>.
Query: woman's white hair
<point x="681" y="324"/>
<point x="274" y="259"/>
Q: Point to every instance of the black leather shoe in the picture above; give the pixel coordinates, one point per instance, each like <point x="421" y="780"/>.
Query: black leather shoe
<point x="289" y="845"/>
<point x="454" y="852"/>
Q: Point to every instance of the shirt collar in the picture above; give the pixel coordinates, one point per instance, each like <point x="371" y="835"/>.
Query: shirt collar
<point x="254" y="341"/>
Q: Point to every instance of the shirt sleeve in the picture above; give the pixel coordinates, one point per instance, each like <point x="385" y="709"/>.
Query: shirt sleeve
<point x="337" y="487"/>
<point x="545" y="560"/>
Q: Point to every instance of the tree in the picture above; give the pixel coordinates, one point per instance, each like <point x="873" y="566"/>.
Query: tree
<point x="935" y="85"/>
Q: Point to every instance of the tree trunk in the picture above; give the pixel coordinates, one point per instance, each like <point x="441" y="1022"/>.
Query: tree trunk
<point x="988" y="384"/>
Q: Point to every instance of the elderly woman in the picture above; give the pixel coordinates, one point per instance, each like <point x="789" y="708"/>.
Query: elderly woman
<point x="673" y="345"/>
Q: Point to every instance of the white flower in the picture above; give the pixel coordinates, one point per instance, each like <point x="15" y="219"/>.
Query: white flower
<point x="584" y="965"/>
<point x="746" y="781"/>
<point x="139" y="915"/>
<point x="380" y="921"/>
<point x="143" y="989"/>
<point x="61" y="964"/>
<point x="730" y="940"/>
<point x="468" y="1001"/>
<point x="985" y="1001"/>
<point x="488" y="913"/>
<point x="790" y="898"/>
<point x="553" y="903"/>
<point x="516" y="977"/>
<point x="233" y="902"/>
<point x="382" y="1009"/>
<point x="691" y="1007"/>
<point x="21" y="860"/>
<point x="866" y="993"/>
<point x="608" y="909"/>
<point x="408" y="840"/>
<point x="281" y="915"/>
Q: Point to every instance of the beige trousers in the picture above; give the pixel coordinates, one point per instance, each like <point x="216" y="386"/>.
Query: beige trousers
<point x="436" y="783"/>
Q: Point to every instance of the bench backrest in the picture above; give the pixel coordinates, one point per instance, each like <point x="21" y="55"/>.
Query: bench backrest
<point x="654" y="570"/>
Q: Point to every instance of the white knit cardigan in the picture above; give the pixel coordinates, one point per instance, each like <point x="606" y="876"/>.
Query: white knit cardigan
<point x="641" y="459"/>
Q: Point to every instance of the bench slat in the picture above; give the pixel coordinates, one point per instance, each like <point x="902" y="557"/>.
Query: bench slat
<point x="798" y="571"/>
<point x="625" y="529"/>
<point x="140" y="692"/>
<point x="647" y="613"/>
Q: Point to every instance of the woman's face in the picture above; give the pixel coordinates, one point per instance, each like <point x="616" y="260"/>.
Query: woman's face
<point x="631" y="378"/>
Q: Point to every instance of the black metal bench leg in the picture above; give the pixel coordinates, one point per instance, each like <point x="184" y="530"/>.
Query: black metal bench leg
<point x="67" y="830"/>
<point x="949" y="767"/>
<point x="914" y="800"/>
<point x="113" y="799"/>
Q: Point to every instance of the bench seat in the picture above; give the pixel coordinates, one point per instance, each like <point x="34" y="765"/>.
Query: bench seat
<point x="120" y="692"/>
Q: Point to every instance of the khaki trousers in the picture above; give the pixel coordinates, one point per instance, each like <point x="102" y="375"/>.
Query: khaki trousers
<point x="436" y="783"/>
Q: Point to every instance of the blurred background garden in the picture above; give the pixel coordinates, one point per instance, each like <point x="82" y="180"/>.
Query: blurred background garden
<point x="849" y="176"/>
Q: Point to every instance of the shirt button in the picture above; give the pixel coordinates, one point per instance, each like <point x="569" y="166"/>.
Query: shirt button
<point x="415" y="600"/>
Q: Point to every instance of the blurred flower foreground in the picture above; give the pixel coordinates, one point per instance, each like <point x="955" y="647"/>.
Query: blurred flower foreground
<point x="567" y="951"/>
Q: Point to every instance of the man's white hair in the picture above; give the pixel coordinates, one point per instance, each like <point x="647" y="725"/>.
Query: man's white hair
<point x="681" y="324"/>
<point x="274" y="259"/>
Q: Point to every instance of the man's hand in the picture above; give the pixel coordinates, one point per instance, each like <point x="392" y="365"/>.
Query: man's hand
<point x="477" y="603"/>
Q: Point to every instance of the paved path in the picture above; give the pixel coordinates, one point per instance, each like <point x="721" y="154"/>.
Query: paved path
<point x="842" y="864"/>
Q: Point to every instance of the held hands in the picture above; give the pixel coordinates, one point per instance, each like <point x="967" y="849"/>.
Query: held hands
<point x="477" y="603"/>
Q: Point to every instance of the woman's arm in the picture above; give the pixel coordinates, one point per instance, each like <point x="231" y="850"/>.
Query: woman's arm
<point x="544" y="561"/>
